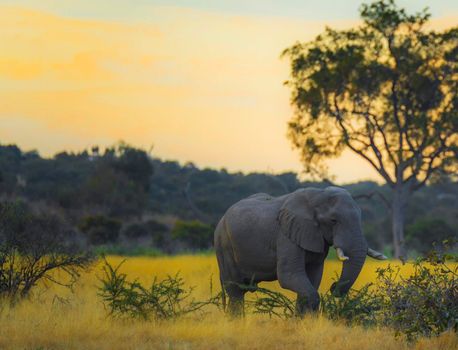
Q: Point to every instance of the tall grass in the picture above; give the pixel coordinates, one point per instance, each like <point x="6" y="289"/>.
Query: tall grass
<point x="79" y="320"/>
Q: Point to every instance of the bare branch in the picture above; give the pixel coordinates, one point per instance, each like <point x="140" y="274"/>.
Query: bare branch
<point x="369" y="195"/>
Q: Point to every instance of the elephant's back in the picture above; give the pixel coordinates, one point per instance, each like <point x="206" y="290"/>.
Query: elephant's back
<point x="256" y="211"/>
<point x="253" y="220"/>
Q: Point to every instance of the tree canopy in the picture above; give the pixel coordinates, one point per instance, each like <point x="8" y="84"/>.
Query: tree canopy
<point x="387" y="91"/>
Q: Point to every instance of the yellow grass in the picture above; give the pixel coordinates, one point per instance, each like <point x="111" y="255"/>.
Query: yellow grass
<point x="45" y="322"/>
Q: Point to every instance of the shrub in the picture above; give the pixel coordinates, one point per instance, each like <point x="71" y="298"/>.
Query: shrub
<point x="135" y="231"/>
<point x="164" y="299"/>
<point x="194" y="233"/>
<point x="357" y="307"/>
<point x="422" y="304"/>
<point x="158" y="232"/>
<point x="271" y="303"/>
<point x="100" y="229"/>
<point x="33" y="246"/>
<point x="151" y="228"/>
<point x="425" y="303"/>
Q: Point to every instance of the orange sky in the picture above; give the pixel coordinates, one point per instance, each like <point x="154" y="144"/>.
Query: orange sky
<point x="201" y="86"/>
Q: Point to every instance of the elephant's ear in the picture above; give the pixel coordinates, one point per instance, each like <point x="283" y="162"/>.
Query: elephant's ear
<point x="297" y="221"/>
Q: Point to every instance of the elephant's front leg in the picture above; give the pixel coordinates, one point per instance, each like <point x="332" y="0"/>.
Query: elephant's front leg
<point x="292" y="275"/>
<point x="308" y="298"/>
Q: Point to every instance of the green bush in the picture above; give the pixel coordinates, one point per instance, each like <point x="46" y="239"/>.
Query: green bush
<point x="194" y="233"/>
<point x="164" y="299"/>
<point x="357" y="307"/>
<point x="100" y="229"/>
<point x="425" y="303"/>
<point x="271" y="303"/>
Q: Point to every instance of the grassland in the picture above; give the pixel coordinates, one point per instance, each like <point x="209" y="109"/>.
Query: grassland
<point x="54" y="318"/>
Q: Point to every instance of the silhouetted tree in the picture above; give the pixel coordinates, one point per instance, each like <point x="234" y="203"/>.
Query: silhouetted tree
<point x="387" y="91"/>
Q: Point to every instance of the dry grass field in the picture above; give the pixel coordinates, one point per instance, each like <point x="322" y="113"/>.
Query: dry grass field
<point x="79" y="321"/>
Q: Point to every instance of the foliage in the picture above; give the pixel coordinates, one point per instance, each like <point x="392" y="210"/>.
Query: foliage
<point x="425" y="232"/>
<point x="100" y="229"/>
<point x="422" y="304"/>
<point x="196" y="234"/>
<point x="115" y="182"/>
<point x="134" y="231"/>
<point x="357" y="307"/>
<point x="271" y="303"/>
<point x="34" y="248"/>
<point x="386" y="91"/>
<point x="158" y="232"/>
<point x="64" y="184"/>
<point x="152" y="229"/>
<point x="83" y="322"/>
<point x="164" y="299"/>
<point x="425" y="303"/>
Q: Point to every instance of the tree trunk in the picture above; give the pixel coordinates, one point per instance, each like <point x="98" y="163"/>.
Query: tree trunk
<point x="398" y="209"/>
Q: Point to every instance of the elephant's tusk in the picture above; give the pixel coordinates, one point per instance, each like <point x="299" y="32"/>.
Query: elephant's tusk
<point x="375" y="254"/>
<point x="340" y="254"/>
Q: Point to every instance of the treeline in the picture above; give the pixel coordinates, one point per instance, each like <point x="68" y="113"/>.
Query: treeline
<point x="124" y="200"/>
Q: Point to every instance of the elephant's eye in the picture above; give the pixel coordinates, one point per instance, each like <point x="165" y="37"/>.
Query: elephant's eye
<point x="333" y="221"/>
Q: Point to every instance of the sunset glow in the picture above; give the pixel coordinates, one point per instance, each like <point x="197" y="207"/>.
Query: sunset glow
<point x="200" y="83"/>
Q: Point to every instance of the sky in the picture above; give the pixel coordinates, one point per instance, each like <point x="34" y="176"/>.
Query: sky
<point x="200" y="81"/>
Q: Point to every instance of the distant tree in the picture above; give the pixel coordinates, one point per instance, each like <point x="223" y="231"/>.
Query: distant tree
<point x="387" y="91"/>
<point x="135" y="231"/>
<point x="136" y="164"/>
<point x="194" y="233"/>
<point x="100" y="229"/>
<point x="151" y="228"/>
<point x="119" y="184"/>
<point x="159" y="232"/>
<point x="426" y="231"/>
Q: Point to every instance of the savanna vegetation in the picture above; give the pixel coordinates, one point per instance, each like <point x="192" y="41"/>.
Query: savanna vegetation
<point x="156" y="207"/>
<point x="58" y="215"/>
<point x="55" y="318"/>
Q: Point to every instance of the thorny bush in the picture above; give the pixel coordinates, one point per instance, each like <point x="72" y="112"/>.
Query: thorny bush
<point x="36" y="248"/>
<point x="166" y="299"/>
<point x="426" y="302"/>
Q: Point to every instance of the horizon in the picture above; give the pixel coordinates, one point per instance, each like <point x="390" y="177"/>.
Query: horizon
<point x="201" y="81"/>
<point x="302" y="177"/>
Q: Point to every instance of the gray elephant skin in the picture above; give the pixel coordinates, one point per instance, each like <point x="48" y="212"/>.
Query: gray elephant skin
<point x="287" y="238"/>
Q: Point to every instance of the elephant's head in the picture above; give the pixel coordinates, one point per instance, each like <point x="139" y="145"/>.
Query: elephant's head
<point x="314" y="218"/>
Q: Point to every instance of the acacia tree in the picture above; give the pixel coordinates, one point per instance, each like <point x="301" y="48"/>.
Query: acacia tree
<point x="387" y="91"/>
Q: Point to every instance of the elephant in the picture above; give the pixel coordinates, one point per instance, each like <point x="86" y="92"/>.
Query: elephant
<point x="287" y="238"/>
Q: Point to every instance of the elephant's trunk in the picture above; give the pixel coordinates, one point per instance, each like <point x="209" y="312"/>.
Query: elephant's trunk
<point x="352" y="263"/>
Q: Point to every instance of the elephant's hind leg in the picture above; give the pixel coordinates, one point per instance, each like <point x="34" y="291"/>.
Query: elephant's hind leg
<point x="231" y="283"/>
<point x="236" y="299"/>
